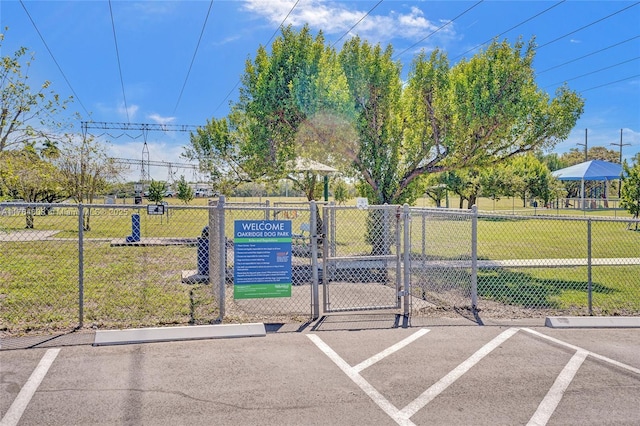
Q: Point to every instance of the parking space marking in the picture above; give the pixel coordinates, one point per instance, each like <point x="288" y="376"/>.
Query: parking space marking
<point x="577" y="348"/>
<point x="552" y="398"/>
<point x="14" y="413"/>
<point x="442" y="384"/>
<point x="355" y="376"/>
<point x="401" y="344"/>
<point x="402" y="417"/>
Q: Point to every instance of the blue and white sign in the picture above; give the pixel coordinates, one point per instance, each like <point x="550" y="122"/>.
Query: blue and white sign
<point x="262" y="259"/>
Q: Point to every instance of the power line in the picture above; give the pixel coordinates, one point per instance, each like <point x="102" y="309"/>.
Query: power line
<point x="435" y="31"/>
<point x="54" y="58"/>
<point x="115" y="40"/>
<point x="595" y="71"/>
<point x="194" y="57"/>
<point x="586" y="26"/>
<point x="272" y="37"/>
<point x="610" y="83"/>
<point x="587" y="55"/>
<point x="510" y="29"/>
<point x="283" y="21"/>
<point x="356" y="24"/>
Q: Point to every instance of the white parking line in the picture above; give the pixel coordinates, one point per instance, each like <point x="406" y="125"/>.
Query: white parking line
<point x="577" y="348"/>
<point x="545" y="409"/>
<point x="438" y="387"/>
<point x="13" y="415"/>
<point x="401" y="344"/>
<point x="552" y="398"/>
<point x="351" y="372"/>
<point x="402" y="417"/>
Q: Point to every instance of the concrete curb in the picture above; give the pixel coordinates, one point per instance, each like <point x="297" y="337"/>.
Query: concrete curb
<point x="592" y="322"/>
<point x="164" y="334"/>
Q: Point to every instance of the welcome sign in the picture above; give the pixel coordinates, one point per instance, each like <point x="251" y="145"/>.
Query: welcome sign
<point x="262" y="259"/>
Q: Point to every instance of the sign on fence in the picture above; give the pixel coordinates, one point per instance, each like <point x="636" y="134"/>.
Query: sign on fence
<point x="262" y="259"/>
<point x="155" y="209"/>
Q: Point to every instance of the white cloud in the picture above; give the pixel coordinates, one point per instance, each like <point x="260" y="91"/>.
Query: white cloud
<point x="336" y="18"/>
<point x="129" y="112"/>
<point x="160" y="119"/>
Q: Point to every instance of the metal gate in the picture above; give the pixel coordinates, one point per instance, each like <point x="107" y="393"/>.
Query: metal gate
<point x="362" y="267"/>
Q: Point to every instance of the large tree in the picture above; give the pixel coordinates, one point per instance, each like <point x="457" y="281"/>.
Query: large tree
<point x="478" y="112"/>
<point x="26" y="175"/>
<point x="293" y="103"/>
<point x="276" y="97"/>
<point x="26" y="114"/>
<point x="376" y="88"/>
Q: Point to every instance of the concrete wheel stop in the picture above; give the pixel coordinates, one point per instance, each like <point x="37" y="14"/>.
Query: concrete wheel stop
<point x="165" y="334"/>
<point x="592" y="322"/>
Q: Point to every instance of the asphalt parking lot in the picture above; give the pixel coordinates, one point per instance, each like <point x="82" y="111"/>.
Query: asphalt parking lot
<point x="443" y="374"/>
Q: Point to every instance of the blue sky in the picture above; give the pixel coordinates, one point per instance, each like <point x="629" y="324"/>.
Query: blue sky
<point x="171" y="68"/>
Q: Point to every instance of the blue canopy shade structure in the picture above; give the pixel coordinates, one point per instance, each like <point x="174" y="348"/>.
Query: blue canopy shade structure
<point x="590" y="170"/>
<point x="597" y="170"/>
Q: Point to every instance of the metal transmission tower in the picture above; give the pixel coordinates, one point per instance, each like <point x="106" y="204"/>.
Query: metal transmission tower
<point x="102" y="125"/>
<point x="144" y="128"/>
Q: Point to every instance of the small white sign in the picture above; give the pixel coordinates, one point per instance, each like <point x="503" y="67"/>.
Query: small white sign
<point x="155" y="209"/>
<point x="362" y="203"/>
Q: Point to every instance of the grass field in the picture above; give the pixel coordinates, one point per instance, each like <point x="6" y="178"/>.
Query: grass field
<point x="141" y="286"/>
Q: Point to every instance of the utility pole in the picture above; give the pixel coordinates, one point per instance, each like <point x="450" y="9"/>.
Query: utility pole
<point x="620" y="145"/>
<point x="585" y="145"/>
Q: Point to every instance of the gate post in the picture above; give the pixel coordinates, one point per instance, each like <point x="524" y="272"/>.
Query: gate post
<point x="315" y="303"/>
<point x="474" y="257"/>
<point x="217" y="254"/>
<point x="407" y="261"/>
<point x="589" y="280"/>
<point x="80" y="265"/>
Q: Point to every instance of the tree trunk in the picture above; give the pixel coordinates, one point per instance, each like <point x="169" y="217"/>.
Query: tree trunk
<point x="86" y="221"/>
<point x="29" y="218"/>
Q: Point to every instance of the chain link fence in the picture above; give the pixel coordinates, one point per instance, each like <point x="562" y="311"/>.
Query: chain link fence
<point x="523" y="266"/>
<point x="297" y="307"/>
<point x="65" y="266"/>
<point x="441" y="267"/>
<point x="361" y="261"/>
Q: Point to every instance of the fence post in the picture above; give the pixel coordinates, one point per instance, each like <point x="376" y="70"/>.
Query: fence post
<point x="407" y="260"/>
<point x="80" y="265"/>
<point x="589" y="281"/>
<point x="474" y="257"/>
<point x="217" y="254"/>
<point x="315" y="303"/>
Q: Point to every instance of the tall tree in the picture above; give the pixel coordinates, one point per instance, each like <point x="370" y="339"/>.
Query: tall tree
<point x="26" y="115"/>
<point x="86" y="171"/>
<point x="275" y="98"/>
<point x="480" y="111"/>
<point x="375" y="87"/>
